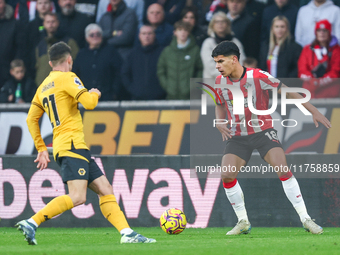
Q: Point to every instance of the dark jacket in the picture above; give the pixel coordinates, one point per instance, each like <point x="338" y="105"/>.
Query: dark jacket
<point x="11" y="43"/>
<point x="41" y="56"/>
<point x="74" y="26"/>
<point x="287" y="66"/>
<point x="164" y="33"/>
<point x="28" y="89"/>
<point x="289" y="11"/>
<point x="100" y="68"/>
<point x="253" y="7"/>
<point x="200" y="35"/>
<point x="246" y="29"/>
<point x="123" y="19"/>
<point x="140" y="75"/>
<point x="35" y="33"/>
<point x="176" y="66"/>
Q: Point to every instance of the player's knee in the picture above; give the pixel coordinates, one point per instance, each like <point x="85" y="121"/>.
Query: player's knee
<point x="78" y="199"/>
<point x="105" y="190"/>
<point x="108" y="190"/>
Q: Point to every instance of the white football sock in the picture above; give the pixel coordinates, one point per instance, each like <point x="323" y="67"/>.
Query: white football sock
<point x="235" y="196"/>
<point x="30" y="220"/>
<point x="292" y="190"/>
<point x="126" y="231"/>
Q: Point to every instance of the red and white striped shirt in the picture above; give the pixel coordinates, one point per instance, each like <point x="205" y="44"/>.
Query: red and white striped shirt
<point x="259" y="82"/>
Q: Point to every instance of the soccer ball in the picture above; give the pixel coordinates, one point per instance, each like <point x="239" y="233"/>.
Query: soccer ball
<point x="173" y="221"/>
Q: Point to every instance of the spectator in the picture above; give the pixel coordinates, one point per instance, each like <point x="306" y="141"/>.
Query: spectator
<point x="11" y="40"/>
<point x="72" y="22"/>
<point x="36" y="32"/>
<point x="19" y="88"/>
<point x="219" y="30"/>
<point x="216" y="6"/>
<point x="305" y="2"/>
<point x="245" y="27"/>
<point x="136" y="5"/>
<point x="250" y="63"/>
<point x="254" y="8"/>
<point x="25" y="10"/>
<point x="51" y="24"/>
<point x="279" y="7"/>
<point x="119" y="27"/>
<point x="163" y="30"/>
<point x="179" y="62"/>
<point x="311" y="13"/>
<point x="281" y="56"/>
<point x="172" y="9"/>
<point x="98" y="65"/>
<point x="140" y="75"/>
<point x="35" y="27"/>
<point x="189" y="14"/>
<point x="321" y="59"/>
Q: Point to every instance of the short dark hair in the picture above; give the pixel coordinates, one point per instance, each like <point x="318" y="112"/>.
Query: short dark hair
<point x="183" y="25"/>
<point x="58" y="53"/>
<point x="226" y="48"/>
<point x="17" y="63"/>
<point x="192" y="9"/>
<point x="51" y="14"/>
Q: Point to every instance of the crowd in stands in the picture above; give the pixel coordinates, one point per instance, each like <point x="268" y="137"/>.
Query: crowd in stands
<point x="149" y="49"/>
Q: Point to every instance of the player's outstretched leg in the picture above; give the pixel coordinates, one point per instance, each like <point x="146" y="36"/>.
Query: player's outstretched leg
<point x="235" y="195"/>
<point x="293" y="193"/>
<point x="28" y="230"/>
<point x="276" y="157"/>
<point x="55" y="207"/>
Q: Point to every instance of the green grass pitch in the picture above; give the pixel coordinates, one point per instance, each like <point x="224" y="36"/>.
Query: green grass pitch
<point x="73" y="241"/>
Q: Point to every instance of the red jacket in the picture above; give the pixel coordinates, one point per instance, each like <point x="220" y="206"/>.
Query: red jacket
<point x="323" y="87"/>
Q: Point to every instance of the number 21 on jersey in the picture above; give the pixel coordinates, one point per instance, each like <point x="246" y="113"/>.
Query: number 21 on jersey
<point x="49" y="103"/>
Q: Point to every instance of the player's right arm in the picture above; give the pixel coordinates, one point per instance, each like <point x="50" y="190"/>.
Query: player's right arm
<point x="90" y="99"/>
<point x="34" y="114"/>
<point x="75" y="88"/>
<point x="221" y="113"/>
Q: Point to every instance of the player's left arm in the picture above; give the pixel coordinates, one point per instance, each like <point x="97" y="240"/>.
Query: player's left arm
<point x="317" y="116"/>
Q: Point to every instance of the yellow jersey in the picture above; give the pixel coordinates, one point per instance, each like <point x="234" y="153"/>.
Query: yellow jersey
<point x="58" y="96"/>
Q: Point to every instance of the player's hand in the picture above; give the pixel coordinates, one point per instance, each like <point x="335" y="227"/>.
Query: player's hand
<point x="96" y="91"/>
<point x="42" y="159"/>
<point x="319" y="117"/>
<point x="225" y="131"/>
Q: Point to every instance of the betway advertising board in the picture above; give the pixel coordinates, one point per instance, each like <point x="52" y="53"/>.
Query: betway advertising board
<point x="147" y="185"/>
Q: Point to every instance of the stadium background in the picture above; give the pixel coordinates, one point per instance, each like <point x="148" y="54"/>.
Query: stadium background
<point x="151" y="169"/>
<point x="155" y="175"/>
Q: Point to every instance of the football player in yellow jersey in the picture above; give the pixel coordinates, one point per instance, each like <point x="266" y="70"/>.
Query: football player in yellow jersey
<point x="58" y="96"/>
